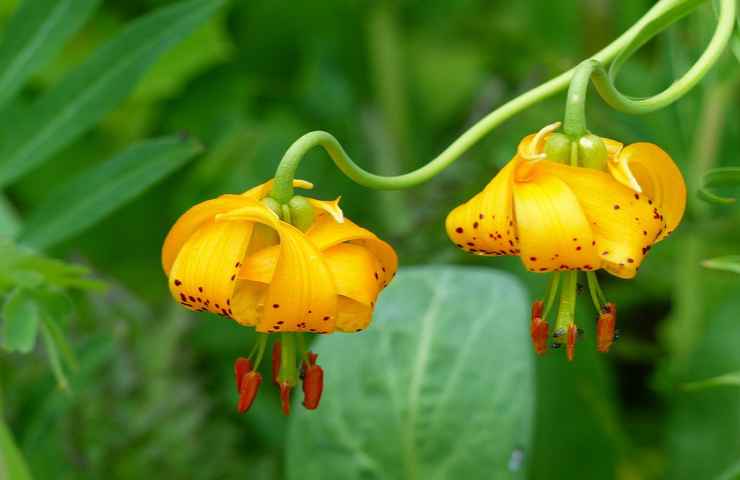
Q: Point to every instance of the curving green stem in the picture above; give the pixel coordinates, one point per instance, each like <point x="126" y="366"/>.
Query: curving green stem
<point x="283" y="187"/>
<point x="574" y="123"/>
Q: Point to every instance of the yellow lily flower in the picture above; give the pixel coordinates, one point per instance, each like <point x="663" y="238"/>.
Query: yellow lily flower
<point x="235" y="257"/>
<point x="559" y="217"/>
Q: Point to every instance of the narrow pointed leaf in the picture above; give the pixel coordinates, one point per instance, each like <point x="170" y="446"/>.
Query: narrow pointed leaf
<point x="97" y="192"/>
<point x="36" y="32"/>
<point x="12" y="464"/>
<point x="730" y="263"/>
<point x="719" y="177"/>
<point x="82" y="98"/>
<point x="20" y="317"/>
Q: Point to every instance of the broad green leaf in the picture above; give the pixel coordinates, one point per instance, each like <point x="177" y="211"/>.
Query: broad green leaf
<point x="36" y="33"/>
<point x="97" y="192"/>
<point x="92" y="90"/>
<point x="729" y="263"/>
<point x="440" y="386"/>
<point x="731" y="473"/>
<point x="20" y="317"/>
<point x="12" y="464"/>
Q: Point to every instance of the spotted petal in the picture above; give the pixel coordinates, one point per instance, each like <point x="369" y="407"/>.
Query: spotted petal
<point x="204" y="273"/>
<point x="485" y="224"/>
<point x="325" y="233"/>
<point x="647" y="169"/>
<point x="625" y="223"/>
<point x="553" y="229"/>
<point x="192" y="220"/>
<point x="301" y="296"/>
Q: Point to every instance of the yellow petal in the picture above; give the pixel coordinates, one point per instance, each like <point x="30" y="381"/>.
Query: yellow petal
<point x="353" y="316"/>
<point x="191" y="220"/>
<point x="301" y="296"/>
<point x="485" y="224"/>
<point x="248" y="302"/>
<point x="261" y="191"/>
<point x="625" y="223"/>
<point x="330" y="207"/>
<point x="325" y="233"/>
<point x="648" y="169"/>
<point x="203" y="275"/>
<point x="356" y="272"/>
<point x="554" y="232"/>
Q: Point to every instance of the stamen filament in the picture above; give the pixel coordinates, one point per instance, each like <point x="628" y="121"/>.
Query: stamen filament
<point x="551" y="292"/>
<point x="594" y="281"/>
<point x="591" y="278"/>
<point x="259" y="347"/>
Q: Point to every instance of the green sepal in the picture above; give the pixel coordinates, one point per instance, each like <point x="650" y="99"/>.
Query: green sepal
<point x="557" y="148"/>
<point x="301" y="212"/>
<point x="592" y="152"/>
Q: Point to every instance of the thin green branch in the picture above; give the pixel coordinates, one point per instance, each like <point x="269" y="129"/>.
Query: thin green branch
<point x="283" y="188"/>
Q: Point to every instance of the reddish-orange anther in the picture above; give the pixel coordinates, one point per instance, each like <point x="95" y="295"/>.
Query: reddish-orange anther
<point x="276" y="352"/>
<point x="571" y="345"/>
<point x="538" y="328"/>
<point x="313" y="382"/>
<point x="285" y="397"/>
<point x="250" y="384"/>
<point x="242" y="366"/>
<point x="605" y="327"/>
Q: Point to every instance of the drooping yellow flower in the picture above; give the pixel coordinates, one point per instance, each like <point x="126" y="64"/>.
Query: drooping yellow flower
<point x="234" y="256"/>
<point x="559" y="217"/>
<point x="220" y="258"/>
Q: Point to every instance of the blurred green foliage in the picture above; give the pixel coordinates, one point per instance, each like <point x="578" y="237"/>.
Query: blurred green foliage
<point x="150" y="389"/>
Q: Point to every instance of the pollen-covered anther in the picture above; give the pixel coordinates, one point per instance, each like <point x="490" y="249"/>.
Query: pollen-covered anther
<point x="285" y="389"/>
<point x="250" y="384"/>
<point x="313" y="382"/>
<point x="242" y="366"/>
<point x="571" y="341"/>
<point x="538" y="328"/>
<point x="605" y="332"/>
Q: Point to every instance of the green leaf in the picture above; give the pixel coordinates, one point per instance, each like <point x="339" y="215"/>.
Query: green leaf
<point x="440" y="386"/>
<point x="96" y="87"/>
<point x="52" y="351"/>
<point x="726" y="380"/>
<point x="12" y="464"/>
<point x="37" y="31"/>
<point x="730" y="263"/>
<point x="21" y="318"/>
<point x="97" y="192"/>
<point x="703" y="426"/>
<point x="21" y="266"/>
<point x="719" y="177"/>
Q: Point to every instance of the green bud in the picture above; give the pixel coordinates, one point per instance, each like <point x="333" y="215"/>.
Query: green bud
<point x="592" y="152"/>
<point x="557" y="148"/>
<point x="301" y="212"/>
